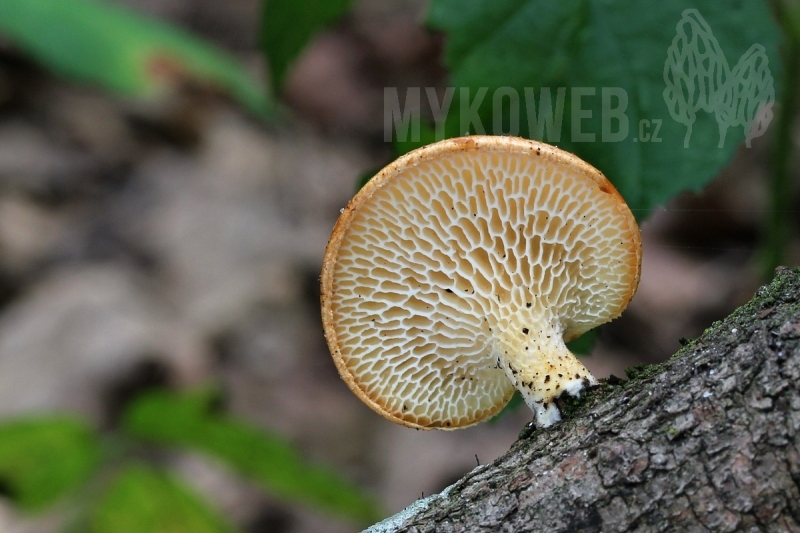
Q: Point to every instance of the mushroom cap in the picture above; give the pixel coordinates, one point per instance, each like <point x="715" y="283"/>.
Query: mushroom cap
<point x="428" y="261"/>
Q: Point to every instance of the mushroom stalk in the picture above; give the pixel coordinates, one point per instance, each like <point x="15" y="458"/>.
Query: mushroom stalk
<point x="541" y="367"/>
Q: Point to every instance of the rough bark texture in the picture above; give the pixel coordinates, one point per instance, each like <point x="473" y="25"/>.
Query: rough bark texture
<point x="708" y="441"/>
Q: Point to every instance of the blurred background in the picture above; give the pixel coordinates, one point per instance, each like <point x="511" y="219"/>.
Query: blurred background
<point x="176" y="241"/>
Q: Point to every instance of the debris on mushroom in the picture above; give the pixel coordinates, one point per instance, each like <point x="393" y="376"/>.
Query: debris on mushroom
<point x="458" y="273"/>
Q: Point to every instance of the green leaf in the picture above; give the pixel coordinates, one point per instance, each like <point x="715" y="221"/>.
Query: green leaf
<point x="44" y="458"/>
<point x="364" y="177"/>
<point x="600" y="45"/>
<point x="143" y="500"/>
<point x="427" y="135"/>
<point x="191" y="420"/>
<point x="583" y="344"/>
<point x="288" y="26"/>
<point x="122" y="51"/>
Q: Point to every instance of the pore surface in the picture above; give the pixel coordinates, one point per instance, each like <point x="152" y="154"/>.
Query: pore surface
<point x="447" y="254"/>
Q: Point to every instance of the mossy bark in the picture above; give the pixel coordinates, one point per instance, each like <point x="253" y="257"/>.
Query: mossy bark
<point x="708" y="441"/>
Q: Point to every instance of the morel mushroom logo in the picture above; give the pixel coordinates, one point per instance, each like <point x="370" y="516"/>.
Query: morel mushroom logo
<point x="698" y="78"/>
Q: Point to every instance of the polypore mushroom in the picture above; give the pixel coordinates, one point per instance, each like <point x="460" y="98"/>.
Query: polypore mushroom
<point x="459" y="271"/>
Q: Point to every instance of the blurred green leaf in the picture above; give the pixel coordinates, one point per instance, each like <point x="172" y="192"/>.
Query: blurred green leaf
<point x="191" y="420"/>
<point x="109" y="45"/>
<point x="41" y="459"/>
<point x="583" y="344"/>
<point x="591" y="46"/>
<point x="288" y="26"/>
<point x="427" y="135"/>
<point x="788" y="14"/>
<point x="365" y="177"/>
<point x="143" y="500"/>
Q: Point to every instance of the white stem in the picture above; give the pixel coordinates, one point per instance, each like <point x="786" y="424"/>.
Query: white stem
<point x="541" y="367"/>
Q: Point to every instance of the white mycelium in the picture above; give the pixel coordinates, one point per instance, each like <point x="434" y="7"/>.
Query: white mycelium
<point x="457" y="274"/>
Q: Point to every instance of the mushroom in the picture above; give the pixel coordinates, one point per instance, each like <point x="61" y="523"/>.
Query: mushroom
<point x="458" y="273"/>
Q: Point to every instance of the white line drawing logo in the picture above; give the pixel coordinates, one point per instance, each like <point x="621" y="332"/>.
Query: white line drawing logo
<point x="698" y="77"/>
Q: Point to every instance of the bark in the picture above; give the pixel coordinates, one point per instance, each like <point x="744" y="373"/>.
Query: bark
<point x="708" y="441"/>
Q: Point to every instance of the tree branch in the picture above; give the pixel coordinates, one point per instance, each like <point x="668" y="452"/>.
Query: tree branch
<point x="708" y="441"/>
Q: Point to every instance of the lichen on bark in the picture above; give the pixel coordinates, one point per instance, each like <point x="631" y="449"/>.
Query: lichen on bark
<point x="708" y="441"/>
